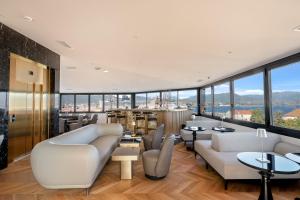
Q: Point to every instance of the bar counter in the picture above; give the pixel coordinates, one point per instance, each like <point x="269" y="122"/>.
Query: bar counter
<point x="173" y="119"/>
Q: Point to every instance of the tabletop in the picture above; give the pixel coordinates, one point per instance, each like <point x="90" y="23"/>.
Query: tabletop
<point x="278" y="164"/>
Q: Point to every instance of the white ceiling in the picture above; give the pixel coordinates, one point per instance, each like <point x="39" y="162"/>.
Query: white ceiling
<point x="157" y="44"/>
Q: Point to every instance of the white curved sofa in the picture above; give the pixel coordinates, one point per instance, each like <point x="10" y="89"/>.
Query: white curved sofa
<point x="74" y="159"/>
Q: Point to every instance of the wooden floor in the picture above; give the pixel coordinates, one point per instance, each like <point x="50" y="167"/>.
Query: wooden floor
<point x="188" y="179"/>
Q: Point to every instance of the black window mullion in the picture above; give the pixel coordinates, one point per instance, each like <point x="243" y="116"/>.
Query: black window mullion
<point x="232" y="98"/>
<point x="267" y="97"/>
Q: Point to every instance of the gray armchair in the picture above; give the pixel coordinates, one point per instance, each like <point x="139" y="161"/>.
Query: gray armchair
<point x="94" y="119"/>
<point x="157" y="162"/>
<point x="153" y="140"/>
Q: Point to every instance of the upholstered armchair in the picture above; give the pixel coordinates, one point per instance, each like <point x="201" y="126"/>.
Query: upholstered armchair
<point x="157" y="162"/>
<point x="154" y="139"/>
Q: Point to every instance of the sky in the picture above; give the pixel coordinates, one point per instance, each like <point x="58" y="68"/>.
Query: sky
<point x="286" y="78"/>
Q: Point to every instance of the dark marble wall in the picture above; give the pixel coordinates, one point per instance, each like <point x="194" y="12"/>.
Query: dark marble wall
<point x="14" y="42"/>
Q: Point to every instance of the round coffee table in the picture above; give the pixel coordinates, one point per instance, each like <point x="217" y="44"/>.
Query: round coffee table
<point x="277" y="165"/>
<point x="194" y="129"/>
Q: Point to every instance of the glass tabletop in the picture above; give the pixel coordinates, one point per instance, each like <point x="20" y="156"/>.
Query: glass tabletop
<point x="194" y="128"/>
<point x="277" y="164"/>
<point x="223" y="129"/>
<point x="294" y="157"/>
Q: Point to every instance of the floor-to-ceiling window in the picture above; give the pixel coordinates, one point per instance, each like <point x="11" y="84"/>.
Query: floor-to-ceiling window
<point x="124" y="101"/>
<point x="249" y="98"/>
<point x="188" y="99"/>
<point x="140" y="100"/>
<point x="96" y="103"/>
<point x="82" y="103"/>
<point x="67" y="103"/>
<point x="153" y="100"/>
<point x="222" y="107"/>
<point x="110" y="102"/>
<point x="285" y="96"/>
<point x="169" y="99"/>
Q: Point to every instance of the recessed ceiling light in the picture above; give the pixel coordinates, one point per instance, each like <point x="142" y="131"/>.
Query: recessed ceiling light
<point x="97" y="68"/>
<point x="71" y="67"/>
<point x="297" y="29"/>
<point x="208" y="77"/>
<point x="229" y="52"/>
<point x="28" y="19"/>
<point x="105" y="71"/>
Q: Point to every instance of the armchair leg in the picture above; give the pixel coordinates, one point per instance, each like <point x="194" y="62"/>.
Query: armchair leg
<point x="225" y="184"/>
<point x="87" y="191"/>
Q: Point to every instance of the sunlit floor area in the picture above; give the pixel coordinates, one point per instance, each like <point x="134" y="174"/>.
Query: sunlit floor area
<point x="188" y="179"/>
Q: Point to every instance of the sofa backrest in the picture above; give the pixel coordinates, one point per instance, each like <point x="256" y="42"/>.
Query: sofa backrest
<point x="83" y="135"/>
<point x="243" y="141"/>
<point x="110" y="129"/>
<point x="206" y="123"/>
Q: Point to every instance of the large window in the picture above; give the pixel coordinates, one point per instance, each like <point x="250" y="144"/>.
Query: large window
<point x="222" y="106"/>
<point x="140" y="100"/>
<point x="153" y="100"/>
<point x="169" y="99"/>
<point x="285" y="100"/>
<point x="82" y="103"/>
<point x="188" y="99"/>
<point x="67" y="103"/>
<point x="249" y="99"/>
<point x="207" y="101"/>
<point x="110" y="101"/>
<point x="96" y="103"/>
<point x="125" y="101"/>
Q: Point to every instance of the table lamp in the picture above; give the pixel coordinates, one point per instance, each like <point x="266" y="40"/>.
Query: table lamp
<point x="193" y="117"/>
<point x="133" y="124"/>
<point x="262" y="133"/>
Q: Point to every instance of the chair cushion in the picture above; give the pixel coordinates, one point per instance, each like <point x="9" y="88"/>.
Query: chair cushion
<point x="284" y="148"/>
<point x="149" y="161"/>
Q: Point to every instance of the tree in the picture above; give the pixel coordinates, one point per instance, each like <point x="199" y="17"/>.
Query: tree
<point x="278" y="120"/>
<point x="257" y="116"/>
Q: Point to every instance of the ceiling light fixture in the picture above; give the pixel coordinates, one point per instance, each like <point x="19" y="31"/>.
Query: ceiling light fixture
<point x="297" y="29"/>
<point x="105" y="71"/>
<point x="97" y="68"/>
<point x="28" y="19"/>
<point x="63" y="43"/>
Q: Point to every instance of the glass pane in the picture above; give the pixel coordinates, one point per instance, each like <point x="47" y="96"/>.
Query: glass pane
<point x="125" y="101"/>
<point x="67" y="103"/>
<point x="82" y="104"/>
<point x="208" y="101"/>
<point x="153" y="100"/>
<point x="110" y="102"/>
<point x="286" y="96"/>
<point x="140" y="100"/>
<point x="169" y="99"/>
<point x="222" y="100"/>
<point x="188" y="99"/>
<point x="249" y="99"/>
<point x="96" y="103"/>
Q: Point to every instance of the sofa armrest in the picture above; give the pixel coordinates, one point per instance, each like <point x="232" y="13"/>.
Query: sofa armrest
<point x="64" y="166"/>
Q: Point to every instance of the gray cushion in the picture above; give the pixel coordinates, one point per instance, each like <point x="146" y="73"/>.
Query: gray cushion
<point x="284" y="148"/>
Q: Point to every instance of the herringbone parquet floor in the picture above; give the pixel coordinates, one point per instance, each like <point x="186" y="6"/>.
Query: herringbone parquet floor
<point x="188" y="179"/>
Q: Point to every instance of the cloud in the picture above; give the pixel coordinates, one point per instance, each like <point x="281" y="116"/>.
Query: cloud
<point x="250" y="92"/>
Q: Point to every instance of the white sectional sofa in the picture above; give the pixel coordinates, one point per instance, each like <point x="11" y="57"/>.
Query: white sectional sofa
<point x="75" y="159"/>
<point x="221" y="153"/>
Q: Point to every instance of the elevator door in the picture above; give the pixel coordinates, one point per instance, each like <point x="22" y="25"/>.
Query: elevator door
<point x="28" y="106"/>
